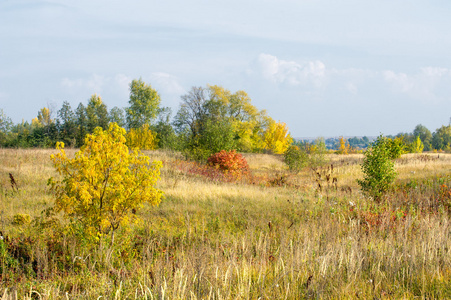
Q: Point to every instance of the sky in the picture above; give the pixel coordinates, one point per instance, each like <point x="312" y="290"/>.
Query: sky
<point x="324" y="67"/>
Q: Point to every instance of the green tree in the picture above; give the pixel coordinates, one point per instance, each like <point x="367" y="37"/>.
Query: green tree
<point x="144" y="103"/>
<point x="441" y="139"/>
<point x="167" y="138"/>
<point x="296" y="158"/>
<point x="425" y="136"/>
<point x="81" y="123"/>
<point x="96" y="114"/>
<point x="396" y="146"/>
<point x="104" y="182"/>
<point x="117" y="115"/>
<point x="67" y="126"/>
<point x="214" y="117"/>
<point x="317" y="152"/>
<point x="44" y="131"/>
<point x="378" y="169"/>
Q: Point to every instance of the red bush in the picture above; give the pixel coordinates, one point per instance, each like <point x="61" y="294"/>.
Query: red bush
<point x="229" y="162"/>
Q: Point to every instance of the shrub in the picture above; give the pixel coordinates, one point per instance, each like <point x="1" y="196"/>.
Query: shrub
<point x="318" y="153"/>
<point x="21" y="219"/>
<point x="296" y="158"/>
<point x="378" y="169"/>
<point x="396" y="147"/>
<point x="229" y="162"/>
<point x="104" y="183"/>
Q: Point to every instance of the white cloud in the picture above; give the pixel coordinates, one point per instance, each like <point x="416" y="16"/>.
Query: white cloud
<point x="430" y="83"/>
<point x="435" y="72"/>
<point x="427" y="84"/>
<point x="95" y="83"/>
<point x="123" y="81"/>
<point x="291" y="72"/>
<point x="400" y="81"/>
<point x="352" y="88"/>
<point x="167" y="83"/>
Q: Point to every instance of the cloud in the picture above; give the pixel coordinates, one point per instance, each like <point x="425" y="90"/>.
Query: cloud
<point x="167" y="83"/>
<point x="95" y="82"/>
<point x="352" y="88"/>
<point x="430" y="83"/>
<point x="291" y="72"/>
<point x="314" y="78"/>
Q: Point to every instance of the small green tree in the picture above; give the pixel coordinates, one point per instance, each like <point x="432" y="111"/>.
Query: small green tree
<point x="378" y="169"/>
<point x="318" y="152"/>
<point x="296" y="158"/>
<point x="104" y="182"/>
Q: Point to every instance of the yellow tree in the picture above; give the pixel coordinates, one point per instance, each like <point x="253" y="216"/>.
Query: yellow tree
<point x="344" y="147"/>
<point x="104" y="182"/>
<point x="142" y="138"/>
<point x="276" y="137"/>
<point x="43" y="118"/>
<point x="417" y="146"/>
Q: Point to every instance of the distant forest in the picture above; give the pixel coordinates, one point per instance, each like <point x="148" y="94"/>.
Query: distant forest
<point x="209" y="119"/>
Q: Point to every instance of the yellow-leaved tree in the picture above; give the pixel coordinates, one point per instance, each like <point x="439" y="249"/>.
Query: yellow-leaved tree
<point x="104" y="182"/>
<point x="142" y="138"/>
<point x="344" y="147"/>
<point x="276" y="137"/>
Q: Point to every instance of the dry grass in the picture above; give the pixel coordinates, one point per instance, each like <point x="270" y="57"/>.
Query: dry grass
<point x="241" y="240"/>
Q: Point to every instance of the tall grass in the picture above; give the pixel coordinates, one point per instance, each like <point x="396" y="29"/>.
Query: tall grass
<point x="262" y="238"/>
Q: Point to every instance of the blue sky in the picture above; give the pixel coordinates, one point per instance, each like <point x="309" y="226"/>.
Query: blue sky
<point x="326" y="68"/>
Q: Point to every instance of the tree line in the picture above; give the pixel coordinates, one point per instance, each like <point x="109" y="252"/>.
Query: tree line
<point x="209" y="119"/>
<point x="420" y="137"/>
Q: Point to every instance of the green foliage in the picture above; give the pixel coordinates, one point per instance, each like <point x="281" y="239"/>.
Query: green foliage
<point x="303" y="154"/>
<point x="166" y="136"/>
<point x="378" y="169"/>
<point x="396" y="147"/>
<point x="296" y="158"/>
<point x="96" y="114"/>
<point x="441" y="139"/>
<point x="425" y="136"/>
<point x="144" y="103"/>
<point x="67" y="126"/>
<point x="317" y="152"/>
<point x="215" y="119"/>
<point x="104" y="182"/>
<point x="81" y="123"/>
<point x="117" y="115"/>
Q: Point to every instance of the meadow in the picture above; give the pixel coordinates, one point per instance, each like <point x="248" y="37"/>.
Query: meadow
<point x="272" y="235"/>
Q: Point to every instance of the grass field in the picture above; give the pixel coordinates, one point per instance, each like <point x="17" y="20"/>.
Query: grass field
<point x="277" y="235"/>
